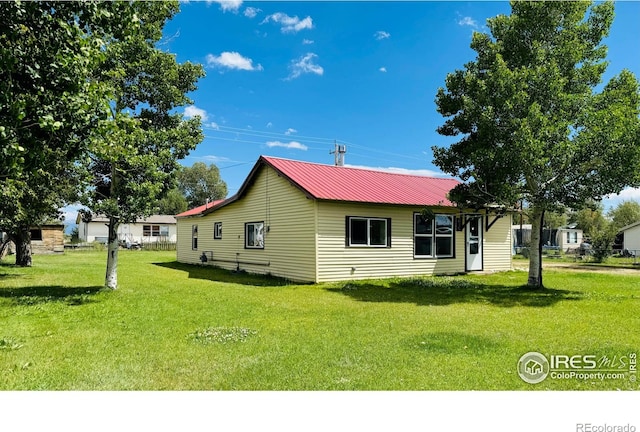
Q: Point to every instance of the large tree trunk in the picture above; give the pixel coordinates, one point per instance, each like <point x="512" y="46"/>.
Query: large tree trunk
<point x="22" y="240"/>
<point x="535" y="250"/>
<point x="111" y="279"/>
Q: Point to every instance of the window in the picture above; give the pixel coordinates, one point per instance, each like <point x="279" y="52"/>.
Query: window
<point x="368" y="232"/>
<point x="254" y="235"/>
<point x="572" y="237"/>
<point x="164" y="231"/>
<point x="217" y="230"/>
<point x="36" y="234"/>
<point x="433" y="235"/>
<point x="152" y="230"/>
<point x="194" y="237"/>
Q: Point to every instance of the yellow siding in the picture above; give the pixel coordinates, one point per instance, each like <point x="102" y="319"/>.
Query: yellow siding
<point x="338" y="262"/>
<point x="498" y="244"/>
<point x="289" y="243"/>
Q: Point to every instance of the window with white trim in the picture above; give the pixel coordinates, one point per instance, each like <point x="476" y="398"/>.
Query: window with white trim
<point x="217" y="230"/>
<point x="572" y="237"/>
<point x="194" y="237"/>
<point x="368" y="232"/>
<point x="433" y="237"/>
<point x="254" y="235"/>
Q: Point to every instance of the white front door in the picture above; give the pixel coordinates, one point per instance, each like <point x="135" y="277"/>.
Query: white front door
<point x="474" y="243"/>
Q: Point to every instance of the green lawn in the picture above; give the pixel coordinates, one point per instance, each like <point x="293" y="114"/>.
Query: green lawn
<point x="175" y="326"/>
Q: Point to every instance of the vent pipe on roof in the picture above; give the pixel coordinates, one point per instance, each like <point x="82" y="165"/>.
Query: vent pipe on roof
<point x="338" y="153"/>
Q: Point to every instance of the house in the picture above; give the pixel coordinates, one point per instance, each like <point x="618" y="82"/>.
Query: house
<point x="311" y="222"/>
<point x="144" y="230"/>
<point x="564" y="238"/>
<point x="569" y="238"/>
<point x="631" y="241"/>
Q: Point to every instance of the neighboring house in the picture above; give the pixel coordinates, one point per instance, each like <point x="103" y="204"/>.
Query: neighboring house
<point x="569" y="238"/>
<point x="310" y="222"/>
<point x="46" y="238"/>
<point x="147" y="230"/>
<point x="631" y="240"/>
<point x="564" y="238"/>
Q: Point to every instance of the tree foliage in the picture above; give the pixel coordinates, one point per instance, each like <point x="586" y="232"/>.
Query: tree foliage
<point x="172" y="203"/>
<point x="135" y="150"/>
<point x="626" y="213"/>
<point x="49" y="105"/>
<point x="201" y="184"/>
<point x="532" y="125"/>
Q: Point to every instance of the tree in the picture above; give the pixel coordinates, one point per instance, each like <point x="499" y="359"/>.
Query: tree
<point x="626" y="213"/>
<point x="201" y="184"/>
<point x="135" y="151"/>
<point x="48" y="106"/>
<point x="532" y="125"/>
<point x="590" y="219"/>
<point x="172" y="203"/>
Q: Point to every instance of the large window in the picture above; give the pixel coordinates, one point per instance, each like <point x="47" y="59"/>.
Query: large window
<point x="194" y="237"/>
<point x="433" y="236"/>
<point x="254" y="235"/>
<point x="572" y="237"/>
<point x="152" y="230"/>
<point x="217" y="230"/>
<point x="368" y="232"/>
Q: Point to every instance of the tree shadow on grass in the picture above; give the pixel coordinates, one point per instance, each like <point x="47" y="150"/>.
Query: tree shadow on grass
<point x="442" y="291"/>
<point x="35" y="295"/>
<point x="217" y="274"/>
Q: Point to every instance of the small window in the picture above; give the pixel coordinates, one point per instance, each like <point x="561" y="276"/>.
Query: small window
<point x="254" y="235"/>
<point x="217" y="230"/>
<point x="36" y="234"/>
<point x="433" y="237"/>
<point x="368" y="232"/>
<point x="194" y="237"/>
<point x="164" y="231"/>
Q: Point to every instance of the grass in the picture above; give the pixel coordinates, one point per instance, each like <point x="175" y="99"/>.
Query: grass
<point x="176" y="326"/>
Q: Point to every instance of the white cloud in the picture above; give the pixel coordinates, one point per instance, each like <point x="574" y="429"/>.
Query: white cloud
<point x="627" y="194"/>
<point x="468" y="21"/>
<point x="303" y="65"/>
<point x="379" y="35"/>
<point x="215" y="159"/>
<point x="193" y="111"/>
<point x="307" y="42"/>
<point x="212" y="125"/>
<point x="289" y="145"/>
<point x="232" y="60"/>
<point x="290" y="131"/>
<point x="251" y="12"/>
<point x="289" y="24"/>
<point x="228" y="5"/>
<point x="383" y="69"/>
<point x="269" y="125"/>
<point x="396" y="170"/>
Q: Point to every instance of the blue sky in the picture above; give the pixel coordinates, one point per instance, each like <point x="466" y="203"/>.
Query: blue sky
<point x="286" y="79"/>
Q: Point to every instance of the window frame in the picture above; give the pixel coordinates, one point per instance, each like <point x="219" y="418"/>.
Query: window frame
<point x="434" y="236"/>
<point x="348" y="232"/>
<point x="194" y="237"/>
<point x="150" y="230"/>
<point x="246" y="235"/>
<point x="217" y="230"/>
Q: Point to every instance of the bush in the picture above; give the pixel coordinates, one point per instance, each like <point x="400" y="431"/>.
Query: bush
<point x="602" y="243"/>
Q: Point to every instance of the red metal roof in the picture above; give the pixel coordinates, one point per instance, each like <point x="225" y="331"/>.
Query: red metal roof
<point x="335" y="183"/>
<point x="198" y="210"/>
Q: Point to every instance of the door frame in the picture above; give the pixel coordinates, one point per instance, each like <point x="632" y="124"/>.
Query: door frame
<point x="469" y="266"/>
